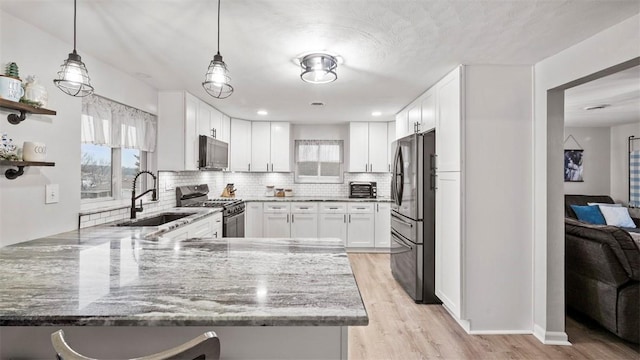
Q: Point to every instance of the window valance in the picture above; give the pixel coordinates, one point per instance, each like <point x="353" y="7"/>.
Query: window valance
<point x="106" y="122"/>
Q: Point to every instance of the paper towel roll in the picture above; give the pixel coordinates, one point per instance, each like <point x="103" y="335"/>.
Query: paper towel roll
<point x="34" y="151"/>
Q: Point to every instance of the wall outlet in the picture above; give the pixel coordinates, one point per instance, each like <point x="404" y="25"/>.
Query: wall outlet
<point x="52" y="193"/>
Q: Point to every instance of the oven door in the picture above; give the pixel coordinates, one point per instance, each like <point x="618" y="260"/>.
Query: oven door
<point x="233" y="226"/>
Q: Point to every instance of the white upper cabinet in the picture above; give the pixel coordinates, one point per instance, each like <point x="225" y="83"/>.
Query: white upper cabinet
<point x="402" y="124"/>
<point x="448" y="122"/>
<point x="415" y="117"/>
<point x="391" y="137"/>
<point x="226" y="128"/>
<point x="260" y="146"/>
<point x="368" y="144"/>
<point x="190" y="133"/>
<point x="358" y="147"/>
<point x="280" y="146"/>
<point x="378" y="144"/>
<point x="240" y="145"/>
<point x="428" y="110"/>
<point x="270" y="146"/>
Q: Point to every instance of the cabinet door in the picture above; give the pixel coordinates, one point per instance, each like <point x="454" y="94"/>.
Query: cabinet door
<point x="428" y="106"/>
<point x="448" y="122"/>
<point x="226" y="128"/>
<point x="202" y="228"/>
<point x="204" y="119"/>
<point x="276" y="225"/>
<point x="360" y="230"/>
<point x="358" y="146"/>
<point x="415" y="117"/>
<point x="260" y="146"/>
<point x="217" y="226"/>
<point x="280" y="146"/>
<point x="383" y="226"/>
<point x="391" y="137"/>
<point x="240" y="145"/>
<point x="333" y="226"/>
<point x="216" y="124"/>
<point x="402" y="124"/>
<point x="191" y="133"/>
<point x="378" y="147"/>
<point x="448" y="230"/>
<point x="253" y="220"/>
<point x="304" y="225"/>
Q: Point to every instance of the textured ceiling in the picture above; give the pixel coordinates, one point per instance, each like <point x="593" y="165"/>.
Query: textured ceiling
<point x="393" y="50"/>
<point x="619" y="91"/>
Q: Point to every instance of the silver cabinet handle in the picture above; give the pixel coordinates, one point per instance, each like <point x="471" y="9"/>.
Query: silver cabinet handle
<point x="366" y="167"/>
<point x="345" y="218"/>
<point x="249" y="167"/>
<point x="303" y="208"/>
<point x="349" y="217"/>
<point x="287" y="218"/>
<point x="333" y="208"/>
<point x="378" y="207"/>
<point x="292" y="218"/>
<point x="267" y="166"/>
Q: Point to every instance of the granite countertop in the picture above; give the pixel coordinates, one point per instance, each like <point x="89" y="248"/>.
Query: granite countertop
<point x="312" y="198"/>
<point x="110" y="276"/>
<point x="154" y="232"/>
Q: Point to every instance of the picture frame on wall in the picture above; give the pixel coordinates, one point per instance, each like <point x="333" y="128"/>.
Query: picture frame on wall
<point x="573" y="165"/>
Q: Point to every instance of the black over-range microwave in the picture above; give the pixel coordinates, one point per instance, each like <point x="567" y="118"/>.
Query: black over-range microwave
<point x="214" y="154"/>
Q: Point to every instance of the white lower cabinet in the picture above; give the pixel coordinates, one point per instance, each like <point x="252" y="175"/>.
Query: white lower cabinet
<point x="276" y="216"/>
<point x="304" y="220"/>
<point x="210" y="226"/>
<point x="360" y="225"/>
<point x="333" y="221"/>
<point x="253" y="219"/>
<point x="382" y="239"/>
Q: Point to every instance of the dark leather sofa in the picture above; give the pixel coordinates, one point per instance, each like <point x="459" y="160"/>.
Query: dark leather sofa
<point x="602" y="271"/>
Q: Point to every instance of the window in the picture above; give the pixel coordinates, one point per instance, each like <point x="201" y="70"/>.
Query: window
<point x="116" y="140"/>
<point x="319" y="161"/>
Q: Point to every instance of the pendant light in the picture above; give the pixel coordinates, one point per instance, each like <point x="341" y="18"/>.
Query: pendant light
<point x="318" y="68"/>
<point x="216" y="80"/>
<point x="73" y="78"/>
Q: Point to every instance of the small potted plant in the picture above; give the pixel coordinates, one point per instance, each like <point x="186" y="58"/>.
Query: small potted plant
<point x="11" y="84"/>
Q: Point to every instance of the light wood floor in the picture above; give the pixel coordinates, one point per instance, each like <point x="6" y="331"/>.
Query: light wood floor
<point x="401" y="329"/>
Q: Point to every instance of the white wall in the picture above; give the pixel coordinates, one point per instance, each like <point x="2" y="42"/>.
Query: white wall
<point x="610" y="47"/>
<point x="497" y="172"/>
<point x="596" y="170"/>
<point x="23" y="214"/>
<point x="620" y="159"/>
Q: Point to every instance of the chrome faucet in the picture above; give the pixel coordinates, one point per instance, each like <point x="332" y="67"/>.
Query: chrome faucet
<point x="154" y="196"/>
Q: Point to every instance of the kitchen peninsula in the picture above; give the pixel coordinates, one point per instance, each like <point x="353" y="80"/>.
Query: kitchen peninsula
<point x="118" y="295"/>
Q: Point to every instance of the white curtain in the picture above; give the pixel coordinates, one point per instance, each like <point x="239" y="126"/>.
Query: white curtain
<point x="105" y="122"/>
<point x="319" y="151"/>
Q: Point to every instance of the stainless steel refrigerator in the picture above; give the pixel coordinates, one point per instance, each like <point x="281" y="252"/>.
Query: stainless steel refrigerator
<point x="413" y="216"/>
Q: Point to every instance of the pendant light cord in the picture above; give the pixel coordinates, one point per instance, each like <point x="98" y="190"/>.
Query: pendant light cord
<point x="218" y="27"/>
<point x="74" y="26"/>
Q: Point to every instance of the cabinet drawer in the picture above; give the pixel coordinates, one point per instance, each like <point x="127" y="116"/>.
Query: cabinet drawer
<point x="333" y="208"/>
<point x="277" y="208"/>
<point x="304" y="208"/>
<point x="361" y="208"/>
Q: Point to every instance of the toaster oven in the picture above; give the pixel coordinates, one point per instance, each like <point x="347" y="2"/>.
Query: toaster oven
<point x="363" y="189"/>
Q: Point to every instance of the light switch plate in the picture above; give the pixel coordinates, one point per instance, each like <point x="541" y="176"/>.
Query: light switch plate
<point x="52" y="193"/>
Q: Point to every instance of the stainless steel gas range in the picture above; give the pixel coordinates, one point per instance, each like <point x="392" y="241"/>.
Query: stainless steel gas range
<point x="232" y="213"/>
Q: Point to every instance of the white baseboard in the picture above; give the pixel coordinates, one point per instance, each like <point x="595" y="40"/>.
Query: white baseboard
<point x="550" y="337"/>
<point x="500" y="332"/>
<point x="464" y="324"/>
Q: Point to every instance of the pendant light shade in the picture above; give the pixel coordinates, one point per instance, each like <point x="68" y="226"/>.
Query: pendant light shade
<point x="319" y="68"/>
<point x="217" y="80"/>
<point x="73" y="77"/>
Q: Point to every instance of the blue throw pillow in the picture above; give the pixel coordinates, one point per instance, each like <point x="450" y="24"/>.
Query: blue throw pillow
<point x="590" y="214"/>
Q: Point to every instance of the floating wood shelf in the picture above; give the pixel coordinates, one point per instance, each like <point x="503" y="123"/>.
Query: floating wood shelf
<point x="24" y="109"/>
<point x="13" y="173"/>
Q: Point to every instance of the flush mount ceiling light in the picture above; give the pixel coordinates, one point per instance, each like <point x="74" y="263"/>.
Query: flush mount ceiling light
<point x="376" y="113"/>
<point x="216" y="80"/>
<point x="73" y="77"/>
<point x="318" y="68"/>
<point x="263" y="112"/>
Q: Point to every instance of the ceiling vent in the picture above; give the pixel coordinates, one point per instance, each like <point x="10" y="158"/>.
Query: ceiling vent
<point x="597" y="107"/>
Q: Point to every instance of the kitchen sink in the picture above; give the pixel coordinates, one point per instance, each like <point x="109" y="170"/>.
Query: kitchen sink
<point x="155" y="220"/>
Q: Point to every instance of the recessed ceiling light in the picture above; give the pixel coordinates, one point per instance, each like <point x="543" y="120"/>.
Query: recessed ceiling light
<point x="263" y="112"/>
<point x="376" y="113"/>
<point x="597" y="107"/>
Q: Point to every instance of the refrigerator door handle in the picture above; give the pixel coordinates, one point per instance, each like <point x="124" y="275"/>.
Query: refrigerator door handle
<point x="401" y="221"/>
<point x="400" y="187"/>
